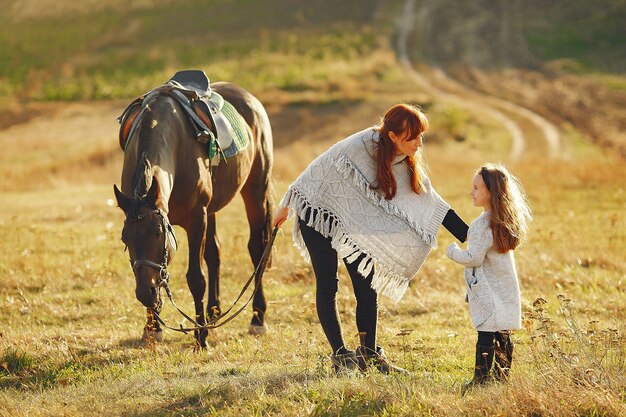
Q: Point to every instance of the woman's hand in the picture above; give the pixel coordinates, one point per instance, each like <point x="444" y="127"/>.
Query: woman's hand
<point x="280" y="216"/>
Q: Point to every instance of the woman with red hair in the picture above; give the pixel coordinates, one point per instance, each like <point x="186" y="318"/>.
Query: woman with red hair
<point x="368" y="201"/>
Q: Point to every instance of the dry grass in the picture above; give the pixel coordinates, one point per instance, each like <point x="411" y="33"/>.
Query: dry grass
<point x="69" y="338"/>
<point x="72" y="346"/>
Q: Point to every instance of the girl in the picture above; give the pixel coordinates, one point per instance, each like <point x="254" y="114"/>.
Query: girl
<point x="490" y="274"/>
<point x="367" y="201"/>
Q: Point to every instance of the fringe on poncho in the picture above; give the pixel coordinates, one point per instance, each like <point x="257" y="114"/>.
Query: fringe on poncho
<point x="395" y="236"/>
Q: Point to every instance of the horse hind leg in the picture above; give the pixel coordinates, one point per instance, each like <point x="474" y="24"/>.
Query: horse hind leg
<point x="257" y="199"/>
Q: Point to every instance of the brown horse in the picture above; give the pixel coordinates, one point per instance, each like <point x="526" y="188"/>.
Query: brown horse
<point x="166" y="178"/>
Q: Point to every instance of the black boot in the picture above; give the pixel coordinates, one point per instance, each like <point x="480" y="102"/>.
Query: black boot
<point x="344" y="363"/>
<point x="484" y="363"/>
<point x="377" y="359"/>
<point x="503" y="357"/>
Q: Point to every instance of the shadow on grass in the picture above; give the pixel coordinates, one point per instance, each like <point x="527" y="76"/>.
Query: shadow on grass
<point x="232" y="387"/>
<point x="135" y="343"/>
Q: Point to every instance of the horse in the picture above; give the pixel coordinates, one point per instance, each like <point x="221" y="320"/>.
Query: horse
<point x="168" y="179"/>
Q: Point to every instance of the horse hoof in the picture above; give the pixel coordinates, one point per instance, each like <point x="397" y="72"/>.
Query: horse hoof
<point x="151" y="336"/>
<point x="256" y="330"/>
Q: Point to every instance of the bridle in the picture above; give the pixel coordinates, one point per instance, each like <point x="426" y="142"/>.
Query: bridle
<point x="169" y="236"/>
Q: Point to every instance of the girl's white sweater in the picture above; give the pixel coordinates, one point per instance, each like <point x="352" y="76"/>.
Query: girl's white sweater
<point x="491" y="279"/>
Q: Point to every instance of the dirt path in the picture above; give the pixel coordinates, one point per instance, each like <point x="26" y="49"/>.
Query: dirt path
<point x="462" y="96"/>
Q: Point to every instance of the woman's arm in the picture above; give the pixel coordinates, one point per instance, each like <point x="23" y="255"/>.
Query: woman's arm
<point x="455" y="225"/>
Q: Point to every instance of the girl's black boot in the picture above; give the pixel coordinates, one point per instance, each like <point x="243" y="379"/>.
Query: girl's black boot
<point x="503" y="358"/>
<point x="484" y="363"/>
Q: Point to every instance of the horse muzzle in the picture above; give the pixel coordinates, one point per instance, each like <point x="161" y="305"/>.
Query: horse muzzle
<point x="149" y="280"/>
<point x="148" y="296"/>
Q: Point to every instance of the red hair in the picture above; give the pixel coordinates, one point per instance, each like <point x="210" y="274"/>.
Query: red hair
<point x="399" y="119"/>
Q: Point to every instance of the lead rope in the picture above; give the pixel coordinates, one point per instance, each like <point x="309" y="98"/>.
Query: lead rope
<point x="222" y="319"/>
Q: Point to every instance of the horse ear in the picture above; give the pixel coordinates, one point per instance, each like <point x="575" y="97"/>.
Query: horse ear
<point x="122" y="201"/>
<point x="154" y="198"/>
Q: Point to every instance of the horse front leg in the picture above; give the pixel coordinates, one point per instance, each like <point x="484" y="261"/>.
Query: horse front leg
<point x="212" y="259"/>
<point x="258" y="209"/>
<point x="152" y="331"/>
<point x="196" y="281"/>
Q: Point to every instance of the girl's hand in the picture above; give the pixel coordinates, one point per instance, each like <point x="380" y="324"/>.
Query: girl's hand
<point x="280" y="216"/>
<point x="451" y="248"/>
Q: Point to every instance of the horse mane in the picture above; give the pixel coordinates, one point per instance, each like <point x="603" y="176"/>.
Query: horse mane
<point x="142" y="179"/>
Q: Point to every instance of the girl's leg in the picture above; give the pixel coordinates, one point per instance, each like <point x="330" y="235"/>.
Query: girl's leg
<point x="486" y="339"/>
<point x="485" y="349"/>
<point x="503" y="355"/>
<point x="483" y="360"/>
<point x="484" y="356"/>
<point x="324" y="261"/>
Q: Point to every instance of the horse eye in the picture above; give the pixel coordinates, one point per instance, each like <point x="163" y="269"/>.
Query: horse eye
<point x="158" y="230"/>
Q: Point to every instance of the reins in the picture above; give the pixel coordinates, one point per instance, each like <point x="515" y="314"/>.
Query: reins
<point x="223" y="318"/>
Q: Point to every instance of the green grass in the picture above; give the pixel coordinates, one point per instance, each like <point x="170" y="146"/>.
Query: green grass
<point x="589" y="34"/>
<point x="115" y="53"/>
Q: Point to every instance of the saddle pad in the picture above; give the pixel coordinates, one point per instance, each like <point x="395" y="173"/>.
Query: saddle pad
<point x="237" y="133"/>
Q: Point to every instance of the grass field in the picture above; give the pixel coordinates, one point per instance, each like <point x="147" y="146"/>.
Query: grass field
<point x="71" y="346"/>
<point x="70" y="325"/>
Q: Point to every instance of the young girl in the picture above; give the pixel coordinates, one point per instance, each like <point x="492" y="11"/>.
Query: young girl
<point x="490" y="274"/>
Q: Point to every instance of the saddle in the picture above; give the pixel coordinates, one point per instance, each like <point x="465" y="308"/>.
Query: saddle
<point x="192" y="81"/>
<point x="215" y="121"/>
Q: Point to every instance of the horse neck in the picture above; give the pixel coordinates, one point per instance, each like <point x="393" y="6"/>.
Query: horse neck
<point x="155" y="149"/>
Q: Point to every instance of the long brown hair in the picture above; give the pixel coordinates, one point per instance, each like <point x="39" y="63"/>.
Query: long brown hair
<point x="399" y="119"/>
<point x="510" y="212"/>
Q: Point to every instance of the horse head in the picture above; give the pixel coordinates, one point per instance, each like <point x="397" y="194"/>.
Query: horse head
<point x="150" y="240"/>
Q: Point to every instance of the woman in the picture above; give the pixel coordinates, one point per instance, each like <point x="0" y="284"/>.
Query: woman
<point x="368" y="201"/>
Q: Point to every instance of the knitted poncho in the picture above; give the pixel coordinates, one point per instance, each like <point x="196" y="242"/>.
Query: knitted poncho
<point x="395" y="235"/>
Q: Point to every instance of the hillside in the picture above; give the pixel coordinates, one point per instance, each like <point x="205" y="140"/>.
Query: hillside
<point x="523" y="33"/>
<point x="563" y="62"/>
<point x="76" y="51"/>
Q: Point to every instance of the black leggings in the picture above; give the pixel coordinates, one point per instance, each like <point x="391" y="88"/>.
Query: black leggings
<point x="325" y="265"/>
<point x="489" y="339"/>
